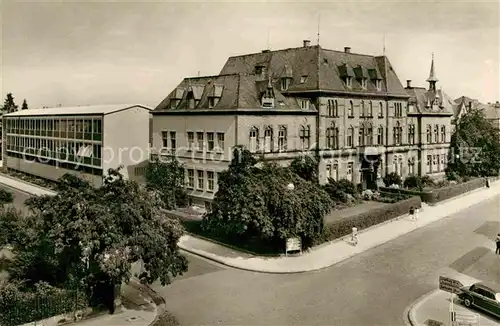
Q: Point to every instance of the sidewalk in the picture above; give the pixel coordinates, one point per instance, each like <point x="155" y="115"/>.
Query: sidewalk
<point x="321" y="256"/>
<point x="436" y="306"/>
<point x="336" y="251"/>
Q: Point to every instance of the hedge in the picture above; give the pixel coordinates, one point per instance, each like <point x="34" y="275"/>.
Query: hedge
<point x="365" y="220"/>
<point x="18" y="307"/>
<point x="437" y="195"/>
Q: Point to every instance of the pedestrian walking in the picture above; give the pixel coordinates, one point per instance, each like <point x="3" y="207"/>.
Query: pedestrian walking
<point x="354" y="236"/>
<point x="487" y="183"/>
<point x="497" y="241"/>
<point x="412" y="213"/>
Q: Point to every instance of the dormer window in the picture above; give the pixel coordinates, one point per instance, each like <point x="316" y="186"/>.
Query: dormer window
<point x="285" y="83"/>
<point x="364" y="83"/>
<point x="378" y="84"/>
<point x="348" y="81"/>
<point x="303" y="79"/>
<point x="304" y="104"/>
<point x="267" y="102"/>
<point x="258" y="70"/>
<point x="212" y="102"/>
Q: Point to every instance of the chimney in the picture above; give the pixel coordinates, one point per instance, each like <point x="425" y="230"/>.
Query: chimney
<point x="307" y="43"/>
<point x="347" y="49"/>
<point x="408" y="83"/>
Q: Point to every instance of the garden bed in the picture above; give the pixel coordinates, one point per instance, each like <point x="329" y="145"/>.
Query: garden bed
<point x="39" y="181"/>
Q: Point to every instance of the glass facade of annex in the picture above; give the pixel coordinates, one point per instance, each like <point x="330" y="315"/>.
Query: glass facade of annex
<point x="66" y="142"/>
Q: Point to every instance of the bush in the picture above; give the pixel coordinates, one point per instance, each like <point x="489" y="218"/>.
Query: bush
<point x="18" y="306"/>
<point x="6" y="197"/>
<point x="392" y="179"/>
<point x="413" y="182"/>
<point x="428" y="181"/>
<point x="451" y="191"/>
<point x="341" y="190"/>
<point x="365" y="220"/>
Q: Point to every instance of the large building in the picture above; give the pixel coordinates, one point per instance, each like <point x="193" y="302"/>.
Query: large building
<point x="84" y="140"/>
<point x="348" y="109"/>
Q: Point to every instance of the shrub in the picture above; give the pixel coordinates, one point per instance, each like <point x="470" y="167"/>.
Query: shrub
<point x="18" y="306"/>
<point x="413" y="182"/>
<point x="365" y="220"/>
<point x="341" y="190"/>
<point x="428" y="181"/>
<point x="456" y="190"/>
<point x="392" y="179"/>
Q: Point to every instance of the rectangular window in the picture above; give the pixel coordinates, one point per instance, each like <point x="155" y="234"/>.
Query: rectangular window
<point x="201" y="180"/>
<point x="220" y="142"/>
<point x="328" y="171"/>
<point x="350" y="168"/>
<point x="173" y="141"/>
<point x="435" y="162"/>
<point x="210" y="181"/>
<point x="164" y="138"/>
<point x="190" y="182"/>
<point x="210" y="141"/>
<point x="443" y="160"/>
<point x="335" y="172"/>
<point x="199" y="140"/>
<point x="429" y="163"/>
<point x="349" y="139"/>
<point x="190" y="140"/>
<point x="282" y="139"/>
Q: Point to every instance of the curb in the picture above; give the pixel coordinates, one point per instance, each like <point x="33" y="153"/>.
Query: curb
<point x="410" y="311"/>
<point x="157" y="299"/>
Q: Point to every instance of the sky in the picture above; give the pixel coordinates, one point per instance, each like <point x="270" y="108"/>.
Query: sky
<point x="98" y="52"/>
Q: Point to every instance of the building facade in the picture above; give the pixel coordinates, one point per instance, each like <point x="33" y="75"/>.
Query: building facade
<point x="349" y="110"/>
<point x="85" y="140"/>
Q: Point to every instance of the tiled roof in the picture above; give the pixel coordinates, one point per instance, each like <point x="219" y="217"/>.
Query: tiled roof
<point x="310" y="68"/>
<point x="323" y="67"/>
<point x="77" y="110"/>
<point x="237" y="92"/>
<point x="431" y="102"/>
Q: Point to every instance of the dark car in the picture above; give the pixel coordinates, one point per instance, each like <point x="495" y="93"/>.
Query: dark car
<point x="483" y="296"/>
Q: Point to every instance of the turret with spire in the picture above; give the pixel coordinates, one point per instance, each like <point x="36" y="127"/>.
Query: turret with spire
<point x="432" y="76"/>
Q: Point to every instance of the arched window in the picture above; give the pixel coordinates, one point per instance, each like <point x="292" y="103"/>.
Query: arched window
<point x="332" y="137"/>
<point x="380" y="135"/>
<point x="369" y="135"/>
<point x="254" y="139"/>
<point x="411" y="134"/>
<point x="305" y="137"/>
<point x="361" y="138"/>
<point x="397" y="133"/>
<point x="336" y="109"/>
<point x="429" y="134"/>
<point x="381" y="110"/>
<point x="350" y="137"/>
<point x="436" y="134"/>
<point x="268" y="139"/>
<point x="443" y="134"/>
<point x="282" y="139"/>
<point x="370" y="109"/>
<point x="350" y="112"/>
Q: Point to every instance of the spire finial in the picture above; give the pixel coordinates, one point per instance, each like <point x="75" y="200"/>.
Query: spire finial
<point x="319" y="20"/>
<point x="384" y="45"/>
<point x="432" y="75"/>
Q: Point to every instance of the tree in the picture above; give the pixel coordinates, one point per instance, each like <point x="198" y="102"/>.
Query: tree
<point x="257" y="202"/>
<point x="306" y="167"/>
<point x="392" y="179"/>
<point x="9" y="105"/>
<point x="94" y="235"/>
<point x="475" y="147"/>
<point x="167" y="178"/>
<point x="25" y="105"/>
<point x="6" y="197"/>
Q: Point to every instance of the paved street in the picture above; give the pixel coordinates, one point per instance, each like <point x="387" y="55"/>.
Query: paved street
<point x="373" y="288"/>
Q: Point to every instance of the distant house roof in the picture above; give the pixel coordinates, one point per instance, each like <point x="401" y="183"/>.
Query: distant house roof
<point x="239" y="85"/>
<point x="491" y="110"/>
<point x="462" y="105"/>
<point x="430" y="101"/>
<point x="77" y="110"/>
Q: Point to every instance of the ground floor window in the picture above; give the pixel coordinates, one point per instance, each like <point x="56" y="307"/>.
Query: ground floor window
<point x="429" y="163"/>
<point x="350" y="168"/>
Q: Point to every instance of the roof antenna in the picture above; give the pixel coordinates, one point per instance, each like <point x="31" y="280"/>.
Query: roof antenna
<point x="268" y="32"/>
<point x="383" y="51"/>
<point x="319" y="20"/>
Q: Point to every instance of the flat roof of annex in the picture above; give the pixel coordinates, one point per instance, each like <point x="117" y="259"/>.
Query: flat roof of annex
<point x="77" y="110"/>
